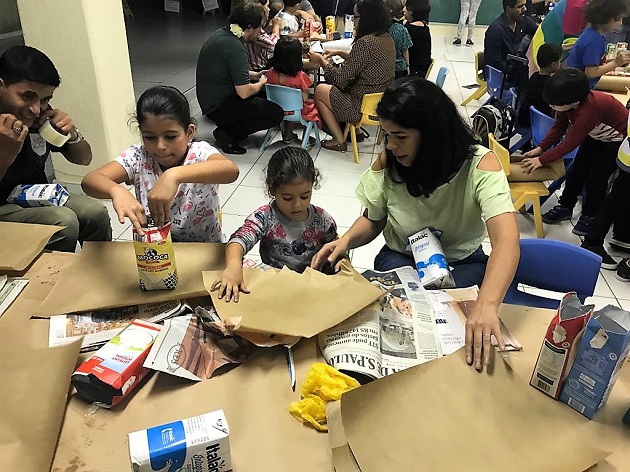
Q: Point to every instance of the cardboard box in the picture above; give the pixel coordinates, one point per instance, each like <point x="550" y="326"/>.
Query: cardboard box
<point x="174" y="6"/>
<point x="201" y="443"/>
<point x="560" y="344"/>
<point x="116" y="369"/>
<point x="601" y="354"/>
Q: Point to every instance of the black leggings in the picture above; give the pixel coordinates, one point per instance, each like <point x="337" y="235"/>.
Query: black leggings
<point x="613" y="210"/>
<point x="241" y="117"/>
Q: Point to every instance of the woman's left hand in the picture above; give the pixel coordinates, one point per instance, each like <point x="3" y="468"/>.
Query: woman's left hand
<point x="160" y="198"/>
<point x="480" y="326"/>
<point x="317" y="58"/>
<point x="530" y="164"/>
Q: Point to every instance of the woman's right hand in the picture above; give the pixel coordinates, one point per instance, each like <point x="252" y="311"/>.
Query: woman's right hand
<point x="317" y="58"/>
<point x="230" y="284"/>
<point x="533" y="153"/>
<point x="331" y="252"/>
<point x="126" y="205"/>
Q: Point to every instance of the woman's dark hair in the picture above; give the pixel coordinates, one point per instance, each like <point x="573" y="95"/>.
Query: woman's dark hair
<point x="21" y="63"/>
<point x="600" y="12"/>
<point x="420" y="9"/>
<point x="288" y="165"/>
<point x="548" y="53"/>
<point x="446" y="140"/>
<point x="287" y="56"/>
<point x="247" y="14"/>
<point x="565" y="87"/>
<point x="164" y="100"/>
<point x="373" y="18"/>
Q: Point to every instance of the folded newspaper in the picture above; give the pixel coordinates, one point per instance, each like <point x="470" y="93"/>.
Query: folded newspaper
<point x="98" y="327"/>
<point x="406" y="327"/>
<point x="10" y="288"/>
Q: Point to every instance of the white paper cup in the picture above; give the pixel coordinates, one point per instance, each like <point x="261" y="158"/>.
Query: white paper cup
<point x="50" y="134"/>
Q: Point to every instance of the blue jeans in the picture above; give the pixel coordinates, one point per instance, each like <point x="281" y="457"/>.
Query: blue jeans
<point x="467" y="272"/>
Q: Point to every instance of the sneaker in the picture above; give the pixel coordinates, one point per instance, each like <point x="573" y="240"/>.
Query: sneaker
<point x="623" y="271"/>
<point x="583" y="224"/>
<point x="457" y="41"/>
<point x="608" y="262"/>
<point x="557" y="214"/>
<point x="619" y="244"/>
<point x="469" y="42"/>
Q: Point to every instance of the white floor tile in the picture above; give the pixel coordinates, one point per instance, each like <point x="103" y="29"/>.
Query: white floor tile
<point x="255" y="176"/>
<point x="339" y="184"/>
<point x="364" y="256"/>
<point x="244" y="200"/>
<point x="625" y="304"/>
<point x="602" y="289"/>
<point x="601" y="302"/>
<point x="225" y="192"/>
<point x="345" y="210"/>
<point x="117" y="228"/>
<point x="329" y="161"/>
<point x="620" y="289"/>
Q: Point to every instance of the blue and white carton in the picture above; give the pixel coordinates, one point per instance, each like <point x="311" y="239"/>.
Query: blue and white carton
<point x="431" y="264"/>
<point x="38" y="195"/>
<point x="198" y="444"/>
<point x="601" y="355"/>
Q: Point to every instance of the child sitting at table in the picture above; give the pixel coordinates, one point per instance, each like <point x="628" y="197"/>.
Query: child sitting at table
<point x="586" y="54"/>
<point x="596" y="122"/>
<point x="287" y="70"/>
<point x="289" y="25"/>
<point x="290" y="230"/>
<point x="174" y="178"/>
<point x="548" y="59"/>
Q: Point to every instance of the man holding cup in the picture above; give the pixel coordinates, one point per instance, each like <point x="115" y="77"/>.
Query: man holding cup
<point x="28" y="79"/>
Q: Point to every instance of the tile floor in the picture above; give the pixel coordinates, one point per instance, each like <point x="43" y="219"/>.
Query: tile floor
<point x="180" y="37"/>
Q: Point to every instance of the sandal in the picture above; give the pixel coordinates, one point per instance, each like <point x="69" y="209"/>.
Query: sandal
<point x="333" y="146"/>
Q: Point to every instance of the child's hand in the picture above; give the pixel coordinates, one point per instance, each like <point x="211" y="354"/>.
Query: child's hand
<point x="533" y="153"/>
<point x="161" y="197"/>
<point x="531" y="164"/>
<point x="126" y="205"/>
<point x="333" y="252"/>
<point x="230" y="284"/>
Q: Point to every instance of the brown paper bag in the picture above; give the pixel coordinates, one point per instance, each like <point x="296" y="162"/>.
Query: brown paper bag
<point x="446" y="416"/>
<point x="106" y="276"/>
<point x="287" y="303"/>
<point x="22" y="243"/>
<point x="32" y="401"/>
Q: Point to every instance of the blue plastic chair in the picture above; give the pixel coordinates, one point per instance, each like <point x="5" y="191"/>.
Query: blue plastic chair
<point x="553" y="265"/>
<point x="523" y="131"/>
<point x="494" y="79"/>
<point x="290" y="99"/>
<point x="441" y="76"/>
<point x="541" y="124"/>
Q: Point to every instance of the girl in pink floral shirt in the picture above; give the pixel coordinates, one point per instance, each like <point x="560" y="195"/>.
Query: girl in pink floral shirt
<point x="174" y="178"/>
<point x="289" y="228"/>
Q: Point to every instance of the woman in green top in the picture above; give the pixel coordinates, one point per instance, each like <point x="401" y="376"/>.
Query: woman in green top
<point x="433" y="174"/>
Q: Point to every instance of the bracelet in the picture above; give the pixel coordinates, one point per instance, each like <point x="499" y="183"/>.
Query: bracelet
<point x="78" y="139"/>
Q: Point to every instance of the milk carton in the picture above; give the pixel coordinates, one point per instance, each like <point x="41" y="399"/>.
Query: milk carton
<point x="199" y="444"/>
<point x="431" y="263"/>
<point x="155" y="258"/>
<point x="116" y="369"/>
<point x="560" y="344"/>
<point x="600" y="356"/>
<point x="38" y="195"/>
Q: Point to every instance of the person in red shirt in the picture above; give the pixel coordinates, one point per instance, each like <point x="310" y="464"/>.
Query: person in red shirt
<point x="592" y="120"/>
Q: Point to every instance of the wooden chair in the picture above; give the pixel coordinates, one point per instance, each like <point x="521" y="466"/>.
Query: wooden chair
<point x="479" y="77"/>
<point x="522" y="192"/>
<point x="368" y="118"/>
<point x="426" y="76"/>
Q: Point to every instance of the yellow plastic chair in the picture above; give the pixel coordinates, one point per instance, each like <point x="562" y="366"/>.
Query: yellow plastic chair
<point x="368" y="118"/>
<point x="483" y="88"/>
<point x="522" y="192"/>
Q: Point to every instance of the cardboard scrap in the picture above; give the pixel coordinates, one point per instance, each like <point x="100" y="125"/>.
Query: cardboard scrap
<point x="446" y="414"/>
<point x="287" y="303"/>
<point x="22" y="243"/>
<point x="106" y="276"/>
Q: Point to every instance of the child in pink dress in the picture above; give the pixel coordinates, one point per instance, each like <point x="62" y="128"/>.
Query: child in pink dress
<point x="287" y="71"/>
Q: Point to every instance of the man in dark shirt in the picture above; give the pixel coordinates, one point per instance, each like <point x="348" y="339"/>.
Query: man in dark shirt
<point x="28" y="79"/>
<point x="505" y="36"/>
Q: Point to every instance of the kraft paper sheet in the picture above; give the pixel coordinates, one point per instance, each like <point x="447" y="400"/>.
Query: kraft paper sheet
<point x="106" y="275"/>
<point x="291" y="304"/>
<point x="22" y="243"/>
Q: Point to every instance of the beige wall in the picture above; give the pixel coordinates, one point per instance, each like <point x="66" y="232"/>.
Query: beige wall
<point x="87" y="42"/>
<point x="9" y="18"/>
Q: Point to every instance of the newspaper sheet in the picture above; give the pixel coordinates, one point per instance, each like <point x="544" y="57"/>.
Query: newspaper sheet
<point x="10" y="288"/>
<point x="390" y="335"/>
<point x="407" y="326"/>
<point x="99" y="326"/>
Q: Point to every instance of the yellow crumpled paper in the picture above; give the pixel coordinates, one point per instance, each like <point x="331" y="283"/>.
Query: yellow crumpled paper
<point x="323" y="384"/>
